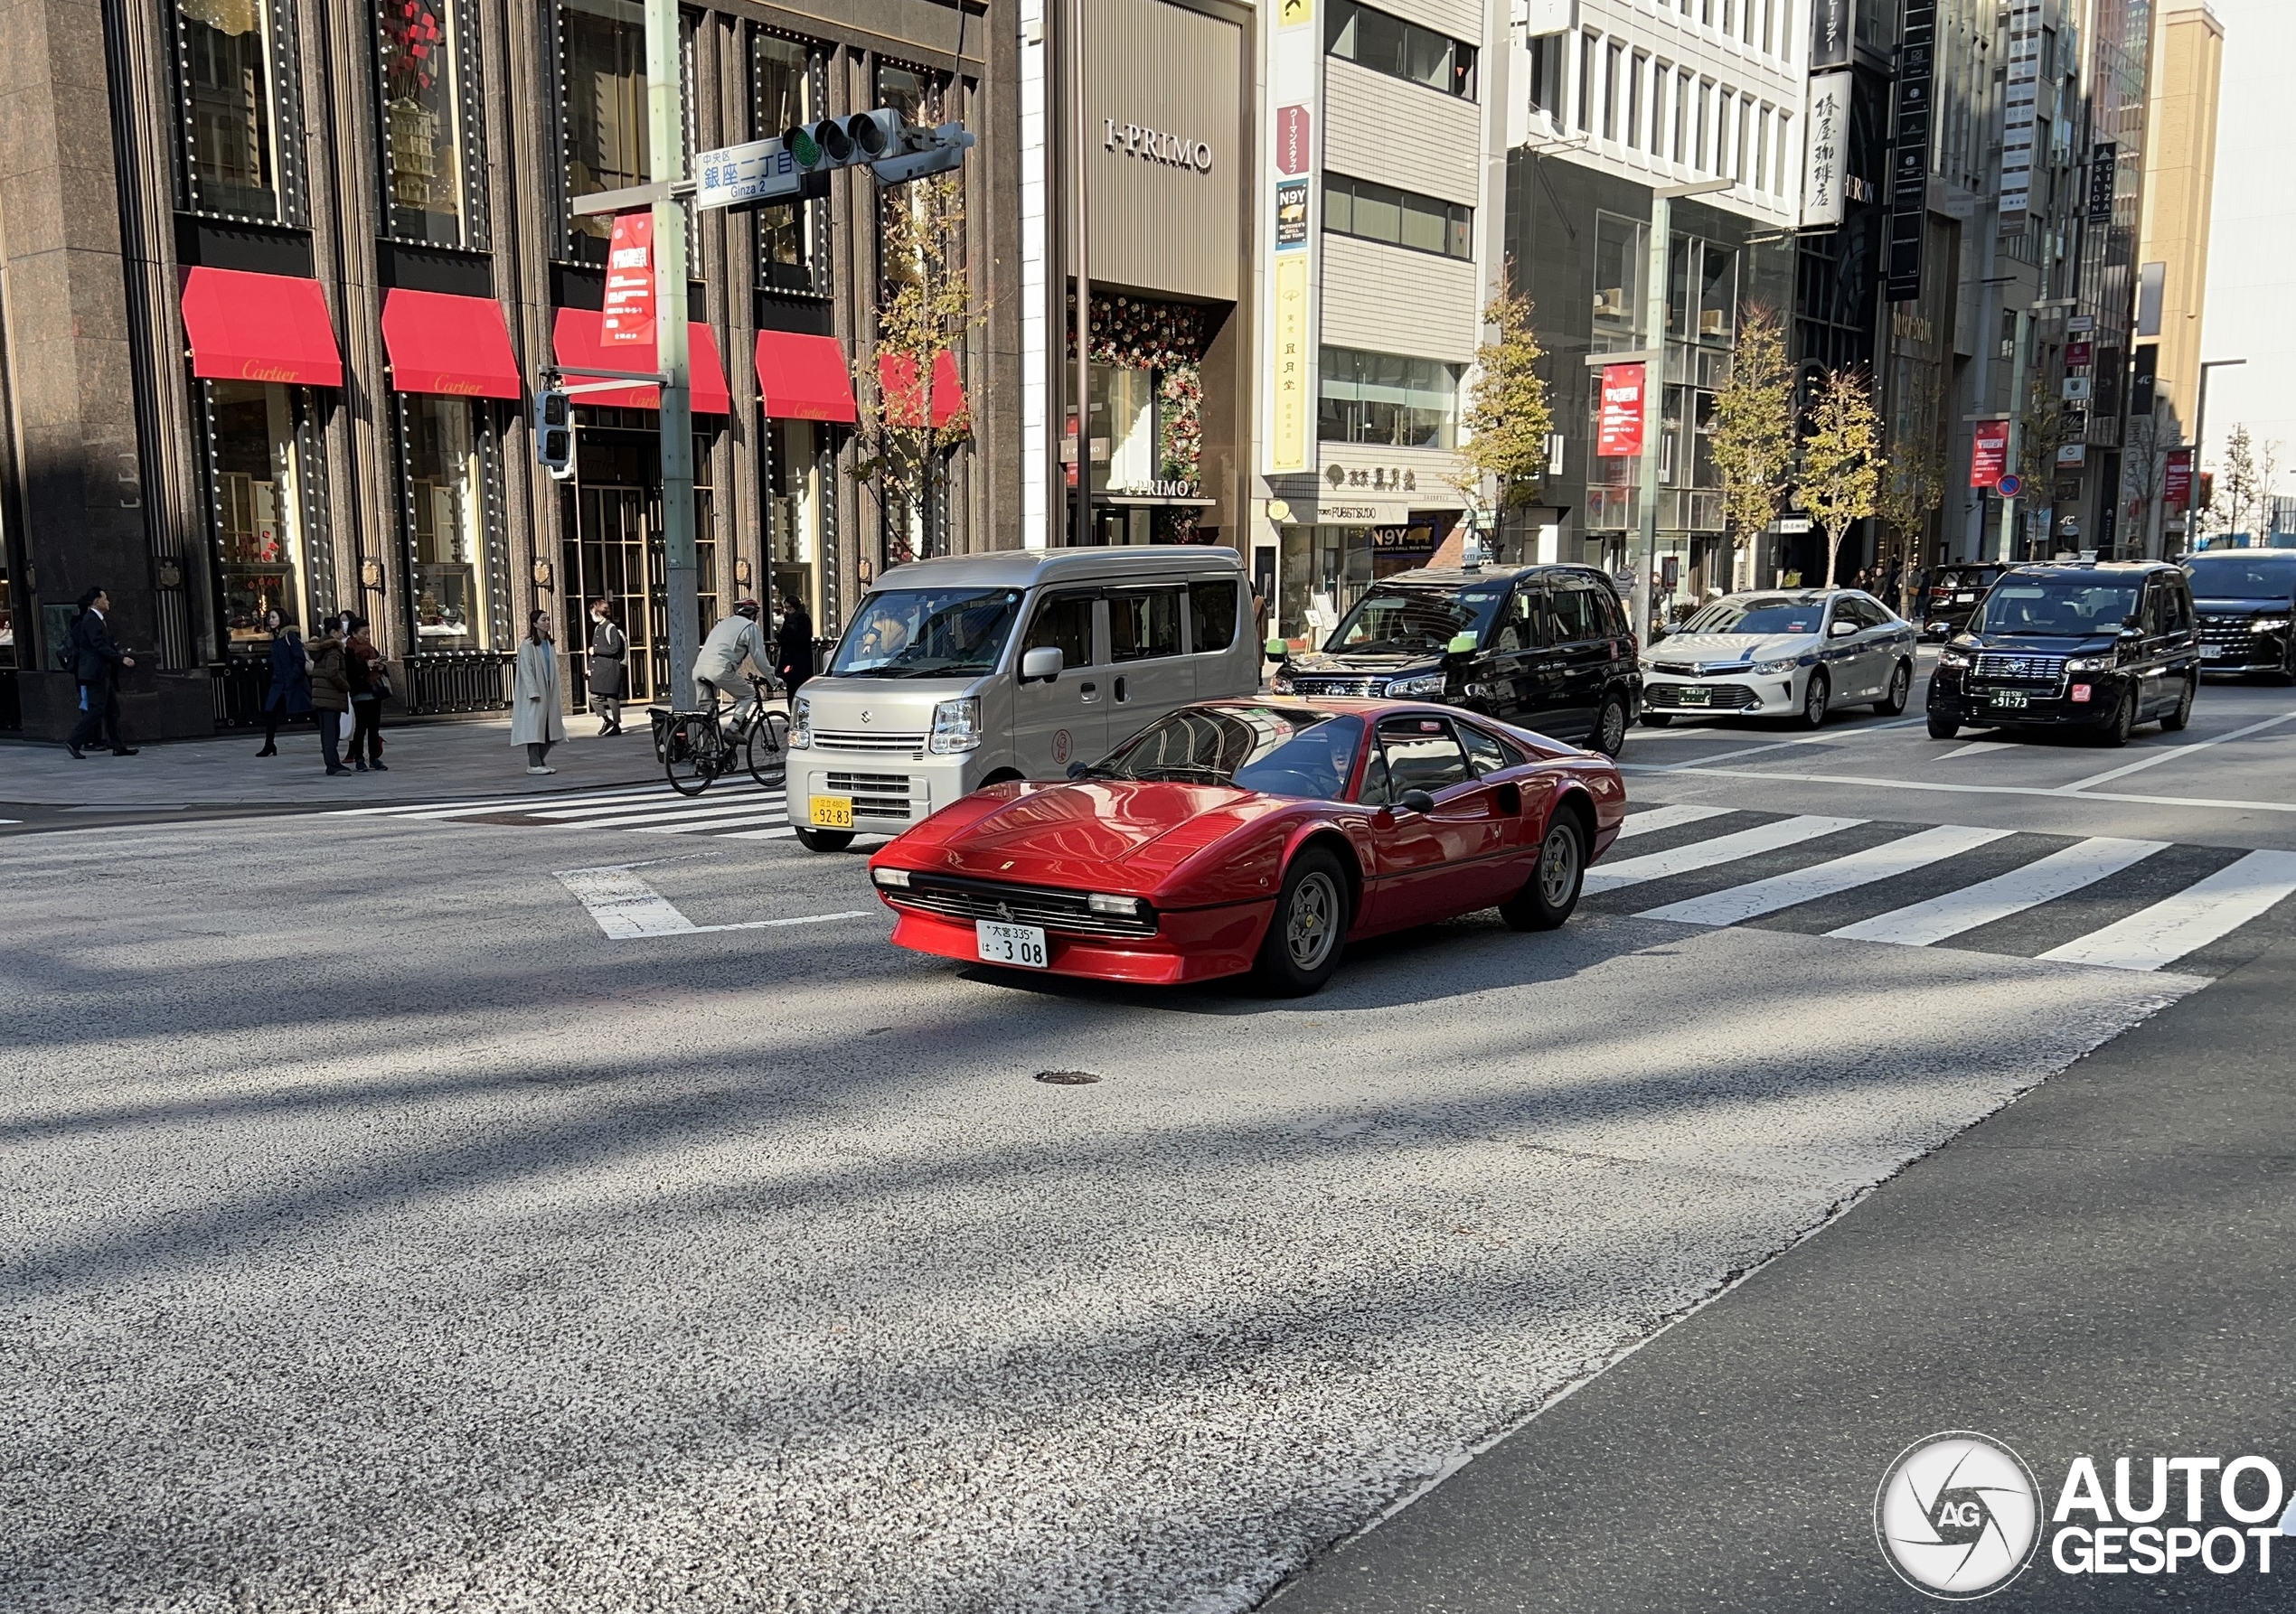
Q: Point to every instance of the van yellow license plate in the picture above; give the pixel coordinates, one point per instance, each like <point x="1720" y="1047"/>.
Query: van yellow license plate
<point x="830" y="813"/>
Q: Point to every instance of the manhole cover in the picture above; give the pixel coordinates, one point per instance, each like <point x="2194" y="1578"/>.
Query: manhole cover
<point x="1066" y="1078"/>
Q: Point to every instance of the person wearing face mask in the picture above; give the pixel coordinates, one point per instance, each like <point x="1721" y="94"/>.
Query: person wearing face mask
<point x="290" y="693"/>
<point x="608" y="667"/>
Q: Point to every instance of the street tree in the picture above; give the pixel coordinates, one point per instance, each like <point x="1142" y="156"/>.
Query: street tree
<point x="1502" y="457"/>
<point x="925" y="309"/>
<point x="1913" y="482"/>
<point x="2240" y="486"/>
<point x="1841" y="460"/>
<point x="1753" y="440"/>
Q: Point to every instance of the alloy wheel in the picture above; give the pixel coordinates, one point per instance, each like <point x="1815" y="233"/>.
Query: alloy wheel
<point x="1610" y="735"/>
<point x="1311" y="926"/>
<point x="1558" y="866"/>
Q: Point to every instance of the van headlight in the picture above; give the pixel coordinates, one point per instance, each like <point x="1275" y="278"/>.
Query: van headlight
<point x="1952" y="658"/>
<point x="1426" y="683"/>
<point x="2089" y="664"/>
<point x="801" y="724"/>
<point x="2268" y="624"/>
<point x="956" y="726"/>
<point x="1281" y="683"/>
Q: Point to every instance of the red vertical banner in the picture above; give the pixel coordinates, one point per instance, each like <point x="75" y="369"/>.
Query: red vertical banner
<point x="2176" y="480"/>
<point x="629" y="282"/>
<point x="1989" y="454"/>
<point x="1293" y="154"/>
<point x="1619" y="431"/>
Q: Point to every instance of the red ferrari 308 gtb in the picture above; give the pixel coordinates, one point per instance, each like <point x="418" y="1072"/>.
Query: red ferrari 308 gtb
<point x="1258" y="834"/>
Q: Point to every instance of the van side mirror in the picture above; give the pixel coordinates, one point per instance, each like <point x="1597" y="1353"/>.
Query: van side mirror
<point x="1043" y="664"/>
<point x="1462" y="644"/>
<point x="1416" y="801"/>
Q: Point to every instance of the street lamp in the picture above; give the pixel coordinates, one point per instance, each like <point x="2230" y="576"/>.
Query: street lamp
<point x="2200" y="439"/>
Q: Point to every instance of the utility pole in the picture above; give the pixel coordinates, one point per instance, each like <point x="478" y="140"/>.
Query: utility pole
<point x="1081" y="531"/>
<point x="665" y="136"/>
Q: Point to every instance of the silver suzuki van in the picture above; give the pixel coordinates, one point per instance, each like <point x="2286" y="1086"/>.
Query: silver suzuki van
<point x="966" y="671"/>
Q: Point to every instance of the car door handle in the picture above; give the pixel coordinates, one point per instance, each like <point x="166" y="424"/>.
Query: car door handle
<point x="1089" y="691"/>
<point x="1120" y="689"/>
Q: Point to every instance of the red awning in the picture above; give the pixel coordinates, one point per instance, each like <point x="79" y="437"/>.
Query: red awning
<point x="897" y="378"/>
<point x="247" y="327"/>
<point x="459" y="346"/>
<point x="574" y="337"/>
<point x="803" y="378"/>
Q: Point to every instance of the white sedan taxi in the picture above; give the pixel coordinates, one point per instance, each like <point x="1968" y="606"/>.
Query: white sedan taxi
<point x="1792" y="652"/>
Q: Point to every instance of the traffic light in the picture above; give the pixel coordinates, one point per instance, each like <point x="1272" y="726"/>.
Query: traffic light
<point x="915" y="151"/>
<point x="554" y="432"/>
<point x="895" y="152"/>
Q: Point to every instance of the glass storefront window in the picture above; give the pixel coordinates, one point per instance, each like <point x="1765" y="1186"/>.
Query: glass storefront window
<point x="1325" y="570"/>
<point x="1619" y="260"/>
<point x="602" y="45"/>
<point x="425" y="172"/>
<point x="915" y="95"/>
<point x="783" y="92"/>
<point x="256" y="460"/>
<point x="446" y="493"/>
<point x="229" y="61"/>
<point x="1387" y="399"/>
<point x="793" y="514"/>
<point x="1123" y="428"/>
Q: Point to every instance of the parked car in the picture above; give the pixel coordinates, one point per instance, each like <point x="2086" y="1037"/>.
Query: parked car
<point x="1258" y="835"/>
<point x="1794" y="653"/>
<point x="1546" y="647"/>
<point x="971" y="670"/>
<point x="2246" y="600"/>
<point x="2101" y="646"/>
<point x="1954" y="593"/>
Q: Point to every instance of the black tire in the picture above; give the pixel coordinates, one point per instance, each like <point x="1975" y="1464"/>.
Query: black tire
<point x="822" y="841"/>
<point x="2181" y="714"/>
<point x="1942" y="727"/>
<point x="696" y="757"/>
<point x="2116" y="735"/>
<point x="767" y="752"/>
<point x="1609" y="736"/>
<point x="1901" y="689"/>
<point x="1308" y="931"/>
<point x="1551" y="893"/>
<point x="1814" y="696"/>
<point x="1657" y="720"/>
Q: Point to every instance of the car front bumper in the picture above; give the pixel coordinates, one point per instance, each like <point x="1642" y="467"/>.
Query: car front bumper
<point x="1190" y="944"/>
<point x="1731" y="695"/>
<point x="2057" y="708"/>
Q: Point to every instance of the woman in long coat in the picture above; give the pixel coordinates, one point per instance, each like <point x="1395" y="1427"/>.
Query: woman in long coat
<point x="534" y="722"/>
<point x="793" y="646"/>
<point x="290" y="692"/>
<point x="608" y="667"/>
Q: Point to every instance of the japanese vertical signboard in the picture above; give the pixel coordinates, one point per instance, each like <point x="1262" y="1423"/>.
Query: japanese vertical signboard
<point x="1288" y="383"/>
<point x="2176" y="479"/>
<point x="1829" y="25"/>
<point x="1295" y="78"/>
<point x="1825" y="150"/>
<point x="1618" y="432"/>
<point x="629" y="282"/>
<point x="2021" y="98"/>
<point x="2104" y="175"/>
<point x="1989" y="454"/>
<point x="1909" y="158"/>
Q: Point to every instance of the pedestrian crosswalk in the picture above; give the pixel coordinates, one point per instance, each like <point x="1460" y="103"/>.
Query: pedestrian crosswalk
<point x="731" y="812"/>
<point x="2098" y="900"/>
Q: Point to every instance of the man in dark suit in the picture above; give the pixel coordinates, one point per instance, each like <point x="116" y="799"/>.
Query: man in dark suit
<point x="95" y="663"/>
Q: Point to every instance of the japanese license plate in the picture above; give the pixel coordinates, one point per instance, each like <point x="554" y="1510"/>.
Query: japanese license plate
<point x="1000" y="944"/>
<point x="1697" y="695"/>
<point x="2011" y="698"/>
<point x="829" y="812"/>
<point x="2215" y="653"/>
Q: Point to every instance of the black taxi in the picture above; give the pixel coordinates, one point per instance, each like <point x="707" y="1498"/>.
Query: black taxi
<point x="2099" y="646"/>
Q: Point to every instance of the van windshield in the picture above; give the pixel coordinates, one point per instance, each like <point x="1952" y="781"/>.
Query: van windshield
<point x="1392" y="621"/>
<point x="2057" y="607"/>
<point x="2244" y="576"/>
<point x="927" y="632"/>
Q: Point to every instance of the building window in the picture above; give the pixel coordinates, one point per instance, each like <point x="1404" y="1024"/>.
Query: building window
<point x="1706" y="96"/>
<point x="1586" y="49"/>
<point x="1123" y="428"/>
<point x="430" y="121"/>
<point x="785" y="88"/>
<point x="257" y="456"/>
<point x="793" y="518"/>
<point x="1642" y="70"/>
<point x="235" y="80"/>
<point x="915" y="95"/>
<point x="602" y="83"/>
<point x="1388" y="401"/>
<point x="1613" y="70"/>
<point x="446" y="466"/>
<point x="1376" y="212"/>
<point x="1387" y="44"/>
<point x="1619" y="259"/>
<point x="1681" y="118"/>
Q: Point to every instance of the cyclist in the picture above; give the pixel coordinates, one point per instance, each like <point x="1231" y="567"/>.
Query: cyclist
<point x="737" y="639"/>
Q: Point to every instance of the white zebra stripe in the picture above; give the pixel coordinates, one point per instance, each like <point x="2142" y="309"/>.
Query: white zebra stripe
<point x="2200" y="914"/>
<point x="1750" y="901"/>
<point x="1705" y="854"/>
<point x="1653" y="819"/>
<point x="2062" y="872"/>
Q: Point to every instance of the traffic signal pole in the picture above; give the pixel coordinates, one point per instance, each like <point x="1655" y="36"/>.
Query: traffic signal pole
<point x="665" y="136"/>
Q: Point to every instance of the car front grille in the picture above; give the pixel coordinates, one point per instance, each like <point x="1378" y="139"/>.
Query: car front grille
<point x="2041" y="671"/>
<point x="1678" y="669"/>
<point x="1342" y="688"/>
<point x="1064" y="911"/>
<point x="2227" y="630"/>
<point x="834" y="739"/>
<point x="874" y="795"/>
<point x="1719" y="698"/>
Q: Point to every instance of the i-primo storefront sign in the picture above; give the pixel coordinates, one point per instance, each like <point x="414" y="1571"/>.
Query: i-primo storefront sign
<point x="1156" y="145"/>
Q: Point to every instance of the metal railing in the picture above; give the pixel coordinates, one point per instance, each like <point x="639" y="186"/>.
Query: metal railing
<point x="456" y="681"/>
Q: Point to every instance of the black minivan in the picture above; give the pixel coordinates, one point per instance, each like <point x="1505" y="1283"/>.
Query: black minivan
<point x="2102" y="646"/>
<point x="1544" y="647"/>
<point x="2247" y="602"/>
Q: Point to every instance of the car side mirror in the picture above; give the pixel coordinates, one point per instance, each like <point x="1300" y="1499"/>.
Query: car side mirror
<point x="1658" y="632"/>
<point x="1416" y="801"/>
<point x="1043" y="664"/>
<point x="1462" y="644"/>
<point x="1841" y="630"/>
<point x="1078" y="768"/>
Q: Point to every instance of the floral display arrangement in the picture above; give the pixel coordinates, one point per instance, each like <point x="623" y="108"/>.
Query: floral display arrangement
<point x="1168" y="339"/>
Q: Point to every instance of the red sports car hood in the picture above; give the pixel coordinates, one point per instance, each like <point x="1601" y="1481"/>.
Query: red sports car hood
<point x="1080" y="834"/>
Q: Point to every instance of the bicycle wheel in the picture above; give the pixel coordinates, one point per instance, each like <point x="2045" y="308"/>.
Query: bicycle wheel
<point x="768" y="751"/>
<point x="694" y="754"/>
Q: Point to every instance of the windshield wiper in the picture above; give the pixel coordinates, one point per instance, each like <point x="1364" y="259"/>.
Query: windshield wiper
<point x="1182" y="768"/>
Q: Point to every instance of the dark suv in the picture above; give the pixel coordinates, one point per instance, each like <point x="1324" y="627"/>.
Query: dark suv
<point x="1546" y="647"/>
<point x="1952" y="597"/>
<point x="2246" y="599"/>
<point x="2101" y="647"/>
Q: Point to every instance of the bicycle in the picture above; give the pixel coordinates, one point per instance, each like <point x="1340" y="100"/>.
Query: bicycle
<point x="698" y="747"/>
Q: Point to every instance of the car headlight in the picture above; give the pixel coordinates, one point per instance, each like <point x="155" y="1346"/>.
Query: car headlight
<point x="2089" y="664"/>
<point x="1282" y="684"/>
<point x="2271" y="624"/>
<point x="1952" y="658"/>
<point x="801" y="725"/>
<point x="897" y="878"/>
<point x="1426" y="683"/>
<point x="1123" y="908"/>
<point x="956" y="726"/>
<point x="1786" y="664"/>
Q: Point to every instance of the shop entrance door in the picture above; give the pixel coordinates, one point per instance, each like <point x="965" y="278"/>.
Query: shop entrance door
<point x="613" y="550"/>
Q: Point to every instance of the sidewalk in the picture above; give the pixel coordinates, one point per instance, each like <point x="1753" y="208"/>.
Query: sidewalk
<point x="427" y="762"/>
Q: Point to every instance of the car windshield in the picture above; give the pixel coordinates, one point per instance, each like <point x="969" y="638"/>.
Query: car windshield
<point x="1278" y="751"/>
<point x="927" y="632"/>
<point x="2243" y="577"/>
<point x="1757" y="614"/>
<point x="2057" y="607"/>
<point x="1947" y="581"/>
<point x="1393" y="621"/>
